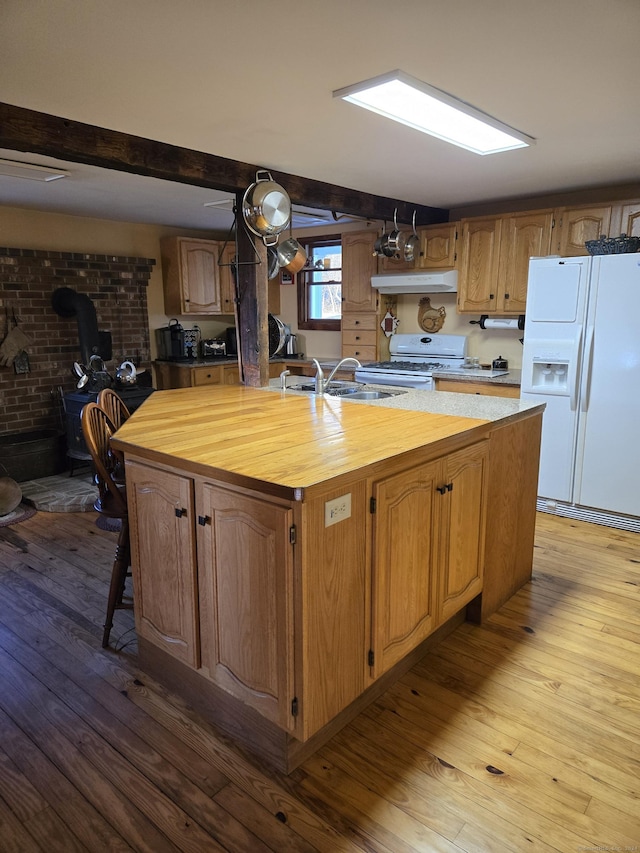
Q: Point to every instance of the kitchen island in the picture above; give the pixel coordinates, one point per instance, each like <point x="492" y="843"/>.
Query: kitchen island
<point x="294" y="554"/>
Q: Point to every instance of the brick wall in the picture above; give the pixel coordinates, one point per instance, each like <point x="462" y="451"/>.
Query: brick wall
<point x="118" y="288"/>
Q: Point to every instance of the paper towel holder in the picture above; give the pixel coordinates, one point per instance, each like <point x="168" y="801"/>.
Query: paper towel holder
<point x="499" y="322"/>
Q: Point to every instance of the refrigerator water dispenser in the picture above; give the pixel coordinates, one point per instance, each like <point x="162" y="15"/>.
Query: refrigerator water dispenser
<point x="551" y="377"/>
<point x="551" y="367"/>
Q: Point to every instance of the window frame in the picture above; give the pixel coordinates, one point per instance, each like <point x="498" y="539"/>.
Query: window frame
<point x="304" y="280"/>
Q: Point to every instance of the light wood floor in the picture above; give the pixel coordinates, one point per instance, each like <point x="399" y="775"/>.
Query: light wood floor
<point x="520" y="735"/>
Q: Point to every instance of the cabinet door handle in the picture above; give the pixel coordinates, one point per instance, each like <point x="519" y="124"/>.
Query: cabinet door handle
<point x="449" y="487"/>
<point x="506" y="296"/>
<point x="441" y="489"/>
<point x="180" y="512"/>
<point x="491" y="296"/>
<point x="204" y="519"/>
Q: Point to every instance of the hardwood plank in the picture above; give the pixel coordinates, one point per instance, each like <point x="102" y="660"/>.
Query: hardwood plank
<point x="377" y="815"/>
<point x="52" y="834"/>
<point x="17" y="791"/>
<point x="107" y="780"/>
<point x="273" y="830"/>
<point x="240" y="770"/>
<point x="81" y="687"/>
<point x="162" y="774"/>
<point x="15" y="838"/>
<point x="555" y="710"/>
<point x="421" y="780"/>
<point x="54" y="786"/>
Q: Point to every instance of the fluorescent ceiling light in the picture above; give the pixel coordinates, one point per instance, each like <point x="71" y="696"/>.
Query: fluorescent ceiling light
<point x="403" y="98"/>
<point x="14" y="169"/>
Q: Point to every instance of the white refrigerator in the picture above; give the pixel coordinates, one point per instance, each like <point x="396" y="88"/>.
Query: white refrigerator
<point x="582" y="358"/>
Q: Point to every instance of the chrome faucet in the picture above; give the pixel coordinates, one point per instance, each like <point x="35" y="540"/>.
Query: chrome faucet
<point x="283" y="379"/>
<point x="321" y="383"/>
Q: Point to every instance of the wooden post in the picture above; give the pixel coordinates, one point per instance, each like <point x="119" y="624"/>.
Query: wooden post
<point x="253" y="309"/>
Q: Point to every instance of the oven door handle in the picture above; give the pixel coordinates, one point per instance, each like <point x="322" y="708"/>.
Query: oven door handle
<point x="394" y="379"/>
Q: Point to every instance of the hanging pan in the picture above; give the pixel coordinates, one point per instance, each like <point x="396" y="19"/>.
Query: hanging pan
<point x="396" y="239"/>
<point x="266" y="208"/>
<point x="412" y="243"/>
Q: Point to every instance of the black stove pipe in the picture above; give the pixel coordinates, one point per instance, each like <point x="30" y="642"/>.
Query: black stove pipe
<point x="67" y="302"/>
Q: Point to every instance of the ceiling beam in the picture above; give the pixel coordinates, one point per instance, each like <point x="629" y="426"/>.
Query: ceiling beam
<point x="52" y="136"/>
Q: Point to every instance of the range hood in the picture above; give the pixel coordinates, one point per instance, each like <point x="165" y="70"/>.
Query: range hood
<point x="416" y="282"/>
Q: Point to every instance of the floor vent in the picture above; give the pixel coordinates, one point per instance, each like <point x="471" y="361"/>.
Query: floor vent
<point x="580" y="513"/>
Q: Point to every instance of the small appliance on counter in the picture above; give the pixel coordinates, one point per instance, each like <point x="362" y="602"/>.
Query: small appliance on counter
<point x="231" y="340"/>
<point x="177" y="344"/>
<point x="213" y="348"/>
<point x="500" y="363"/>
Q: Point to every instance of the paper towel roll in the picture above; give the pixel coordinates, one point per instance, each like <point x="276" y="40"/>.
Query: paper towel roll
<point x="497" y="323"/>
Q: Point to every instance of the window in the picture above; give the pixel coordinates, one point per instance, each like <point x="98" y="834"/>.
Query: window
<point x="320" y="284"/>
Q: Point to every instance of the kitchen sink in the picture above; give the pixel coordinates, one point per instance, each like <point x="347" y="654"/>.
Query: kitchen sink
<point x="336" y="389"/>
<point x="348" y="390"/>
<point x="374" y="395"/>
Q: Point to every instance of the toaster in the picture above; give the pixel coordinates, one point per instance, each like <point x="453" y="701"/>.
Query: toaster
<point x="213" y="348"/>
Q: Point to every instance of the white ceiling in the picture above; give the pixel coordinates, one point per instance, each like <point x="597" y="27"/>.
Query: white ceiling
<point x="253" y="81"/>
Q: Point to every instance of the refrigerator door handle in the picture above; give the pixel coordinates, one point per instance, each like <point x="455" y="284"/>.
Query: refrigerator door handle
<point x="586" y="370"/>
<point x="573" y="376"/>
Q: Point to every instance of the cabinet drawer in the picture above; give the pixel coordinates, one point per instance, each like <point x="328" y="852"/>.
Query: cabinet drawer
<point x="362" y="353"/>
<point x="477" y="388"/>
<point x="206" y="376"/>
<point x="359" y="338"/>
<point x="363" y="322"/>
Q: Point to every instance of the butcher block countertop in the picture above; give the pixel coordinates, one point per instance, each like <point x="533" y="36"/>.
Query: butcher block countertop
<point x="294" y="440"/>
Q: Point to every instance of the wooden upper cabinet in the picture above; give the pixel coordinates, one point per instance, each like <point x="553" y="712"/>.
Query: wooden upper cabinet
<point x="225" y="271"/>
<point x="629" y="220"/>
<point x="577" y="225"/>
<point x="191" y="276"/>
<point x="359" y="263"/>
<point x="494" y="260"/>
<point x="479" y="264"/>
<point x="438" y="246"/>
<point x="524" y="236"/>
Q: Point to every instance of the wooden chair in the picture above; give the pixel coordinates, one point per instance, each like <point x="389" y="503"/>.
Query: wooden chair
<point x="111" y="502"/>
<point x="113" y="406"/>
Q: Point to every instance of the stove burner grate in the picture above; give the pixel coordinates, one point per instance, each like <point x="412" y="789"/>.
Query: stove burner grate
<point x="409" y="366"/>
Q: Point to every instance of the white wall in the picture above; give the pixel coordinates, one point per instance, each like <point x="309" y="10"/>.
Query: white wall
<point x="485" y="344"/>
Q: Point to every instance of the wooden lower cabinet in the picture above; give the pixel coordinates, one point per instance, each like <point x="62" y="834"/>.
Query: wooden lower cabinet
<point x="163" y="559"/>
<point x="287" y="612"/>
<point x="428" y="540"/>
<point x="405" y="553"/>
<point x="246" y="601"/>
<point x="461" y="563"/>
<point x="213" y="583"/>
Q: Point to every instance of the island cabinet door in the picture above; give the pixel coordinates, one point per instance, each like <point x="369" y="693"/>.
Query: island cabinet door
<point x="405" y="553"/>
<point x="246" y="598"/>
<point x="161" y="515"/>
<point x="462" y="533"/>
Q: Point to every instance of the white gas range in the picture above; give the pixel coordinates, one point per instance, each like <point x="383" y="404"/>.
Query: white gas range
<point x="413" y="360"/>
